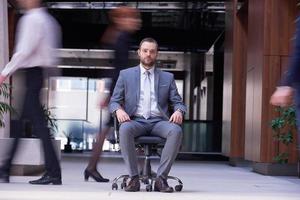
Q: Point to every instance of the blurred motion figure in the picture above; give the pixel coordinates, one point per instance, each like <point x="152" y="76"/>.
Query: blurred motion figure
<point x="124" y="22"/>
<point x="288" y="93"/>
<point x="37" y="35"/>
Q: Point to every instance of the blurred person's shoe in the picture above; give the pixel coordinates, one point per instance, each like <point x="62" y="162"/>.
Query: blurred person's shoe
<point x="4" y="177"/>
<point x="161" y="185"/>
<point x="46" y="179"/>
<point x="95" y="175"/>
<point x="133" y="185"/>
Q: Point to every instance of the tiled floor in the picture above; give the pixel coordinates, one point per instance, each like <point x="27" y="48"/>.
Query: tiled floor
<point x="202" y="181"/>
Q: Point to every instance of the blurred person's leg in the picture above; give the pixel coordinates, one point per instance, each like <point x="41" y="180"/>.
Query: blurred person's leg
<point x="7" y="161"/>
<point x="91" y="169"/>
<point x="33" y="109"/>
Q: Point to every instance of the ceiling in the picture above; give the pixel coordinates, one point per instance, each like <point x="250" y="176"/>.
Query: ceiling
<point x="179" y="26"/>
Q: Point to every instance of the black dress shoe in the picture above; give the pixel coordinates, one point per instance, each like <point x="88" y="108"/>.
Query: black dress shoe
<point x="95" y="175"/>
<point x="161" y="185"/>
<point x="46" y="180"/>
<point x="133" y="185"/>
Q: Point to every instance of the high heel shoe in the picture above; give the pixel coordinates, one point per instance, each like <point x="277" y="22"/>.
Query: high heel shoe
<point x="95" y="175"/>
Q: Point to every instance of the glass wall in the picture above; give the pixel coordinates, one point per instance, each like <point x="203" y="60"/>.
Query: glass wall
<point x="75" y="103"/>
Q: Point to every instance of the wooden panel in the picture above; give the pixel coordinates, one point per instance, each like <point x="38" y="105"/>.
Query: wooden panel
<point x="277" y="25"/>
<point x="239" y="84"/>
<point x="254" y="79"/>
<point x="227" y="83"/>
<point x="249" y="116"/>
<point x="271" y="76"/>
<point x="255" y="33"/>
<point x="234" y="82"/>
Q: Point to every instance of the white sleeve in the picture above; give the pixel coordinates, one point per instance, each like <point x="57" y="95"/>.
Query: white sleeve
<point x="29" y="35"/>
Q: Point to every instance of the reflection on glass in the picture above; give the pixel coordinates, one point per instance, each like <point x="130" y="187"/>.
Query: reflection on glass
<point x="200" y="136"/>
<point x="179" y="84"/>
<point x="75" y="103"/>
<point x="68" y="97"/>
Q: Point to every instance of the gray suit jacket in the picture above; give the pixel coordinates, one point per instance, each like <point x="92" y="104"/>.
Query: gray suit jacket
<point x="127" y="92"/>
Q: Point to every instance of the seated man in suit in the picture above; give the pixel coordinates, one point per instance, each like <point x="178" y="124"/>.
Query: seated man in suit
<point x="140" y="100"/>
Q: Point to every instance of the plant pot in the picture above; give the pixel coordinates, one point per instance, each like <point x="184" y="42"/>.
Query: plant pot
<point x="276" y="169"/>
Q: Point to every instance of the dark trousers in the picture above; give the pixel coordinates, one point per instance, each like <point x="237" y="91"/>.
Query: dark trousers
<point x="32" y="111"/>
<point x="297" y="107"/>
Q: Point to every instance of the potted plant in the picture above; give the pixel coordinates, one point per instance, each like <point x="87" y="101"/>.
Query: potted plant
<point x="283" y="127"/>
<point x="4" y="106"/>
<point x="51" y="121"/>
<point x="50" y="118"/>
<point x="68" y="146"/>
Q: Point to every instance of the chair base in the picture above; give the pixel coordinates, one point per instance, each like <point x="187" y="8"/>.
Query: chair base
<point x="146" y="180"/>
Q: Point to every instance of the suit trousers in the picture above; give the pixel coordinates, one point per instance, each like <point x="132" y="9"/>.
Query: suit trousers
<point x="146" y="127"/>
<point x="32" y="111"/>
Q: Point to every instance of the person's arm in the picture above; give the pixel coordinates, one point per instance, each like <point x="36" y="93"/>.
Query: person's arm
<point x="283" y="95"/>
<point x="174" y="97"/>
<point x="293" y="74"/>
<point x="117" y="99"/>
<point x="176" y="103"/>
<point x="29" y="35"/>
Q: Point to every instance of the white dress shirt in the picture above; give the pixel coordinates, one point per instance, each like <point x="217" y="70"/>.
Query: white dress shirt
<point x="154" y="107"/>
<point x="38" y="34"/>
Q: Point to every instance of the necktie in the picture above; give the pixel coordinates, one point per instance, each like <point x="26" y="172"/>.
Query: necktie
<point x="147" y="95"/>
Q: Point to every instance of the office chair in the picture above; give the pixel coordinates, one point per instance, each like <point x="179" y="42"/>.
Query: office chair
<point x="149" y="144"/>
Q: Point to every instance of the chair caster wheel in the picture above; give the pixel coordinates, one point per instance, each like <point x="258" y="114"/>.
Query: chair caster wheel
<point x="178" y="188"/>
<point x="145" y="181"/>
<point x="114" y="186"/>
<point x="123" y="185"/>
<point x="149" y="188"/>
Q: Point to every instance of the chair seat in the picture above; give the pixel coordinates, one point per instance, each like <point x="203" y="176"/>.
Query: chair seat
<point x="150" y="140"/>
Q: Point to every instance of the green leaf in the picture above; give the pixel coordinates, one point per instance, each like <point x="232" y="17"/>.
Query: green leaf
<point x="285" y="121"/>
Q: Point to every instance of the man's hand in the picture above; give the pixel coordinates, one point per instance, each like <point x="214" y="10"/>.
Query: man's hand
<point x="2" y="79"/>
<point x="283" y="96"/>
<point x="176" y="117"/>
<point x="122" y="116"/>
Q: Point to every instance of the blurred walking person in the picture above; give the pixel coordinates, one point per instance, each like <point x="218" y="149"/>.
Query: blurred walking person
<point x="37" y="35"/>
<point x="124" y="22"/>
<point x="288" y="93"/>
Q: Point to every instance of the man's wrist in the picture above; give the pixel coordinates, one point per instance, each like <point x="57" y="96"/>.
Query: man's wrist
<point x="181" y="111"/>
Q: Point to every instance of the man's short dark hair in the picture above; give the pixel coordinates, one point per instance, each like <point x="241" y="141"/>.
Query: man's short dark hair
<point x="148" y="39"/>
